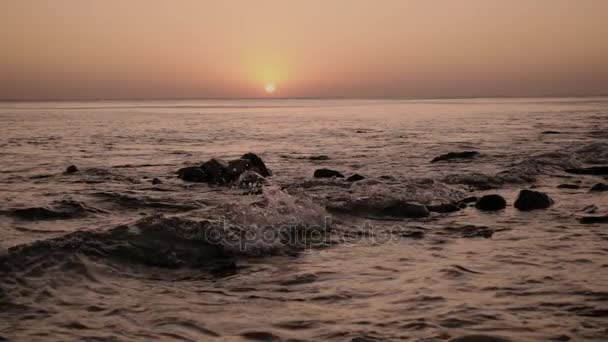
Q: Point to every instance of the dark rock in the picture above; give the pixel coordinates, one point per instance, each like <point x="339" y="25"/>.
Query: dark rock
<point x="456" y="155"/>
<point x="327" y="173"/>
<point x="156" y="181"/>
<point x="192" y="174"/>
<point x="238" y="166"/>
<point x="217" y="171"/>
<point x="71" y="169"/>
<point x="443" y="208"/>
<point x="383" y="208"/>
<point x="470" y="231"/>
<point x="480" y="338"/>
<point x="568" y="186"/>
<point x="318" y="158"/>
<point x="593" y="219"/>
<point x="599" y="187"/>
<point x="471" y="199"/>
<point x="551" y="132"/>
<point x="491" y="203"/>
<point x="531" y="200"/>
<point x="257" y="164"/>
<point x="594" y="170"/>
<point x="355" y="177"/>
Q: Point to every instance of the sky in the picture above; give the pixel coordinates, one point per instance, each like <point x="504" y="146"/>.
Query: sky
<point x="145" y="49"/>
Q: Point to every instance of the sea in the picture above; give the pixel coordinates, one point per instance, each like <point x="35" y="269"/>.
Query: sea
<point x="122" y="249"/>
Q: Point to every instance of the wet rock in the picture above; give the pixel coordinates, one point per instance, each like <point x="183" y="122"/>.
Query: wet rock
<point x="593" y="219"/>
<point x="456" y="155"/>
<point x="491" y="203"/>
<point x="472" y="199"/>
<point x="471" y="231"/>
<point x="531" y="200"/>
<point x="594" y="170"/>
<point x="71" y="169"/>
<point x="568" y="186"/>
<point x="257" y="164"/>
<point x="250" y="179"/>
<point x="354" y="178"/>
<point x="192" y="174"/>
<point x="327" y="173"/>
<point x="156" y="181"/>
<point x="599" y="187"/>
<point x="551" y="132"/>
<point x="217" y="171"/>
<point x="378" y="207"/>
<point x="480" y="338"/>
<point x="238" y="166"/>
<point x="443" y="208"/>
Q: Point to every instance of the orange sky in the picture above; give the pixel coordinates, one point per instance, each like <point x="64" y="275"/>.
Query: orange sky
<point x="310" y="48"/>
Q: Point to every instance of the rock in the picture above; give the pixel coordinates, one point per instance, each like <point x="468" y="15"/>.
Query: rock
<point x="594" y="170"/>
<point x="71" y="169"/>
<point x="192" y="174"/>
<point x="590" y="209"/>
<point x="467" y="200"/>
<point x="250" y="179"/>
<point x="354" y="178"/>
<point x="593" y="219"/>
<point x="327" y="173"/>
<point x="568" y="186"/>
<point x="480" y="338"/>
<point x="156" y="181"/>
<point x="531" y="200"/>
<point x="456" y="155"/>
<point x="491" y="203"/>
<point x="257" y="164"/>
<point x="551" y="132"/>
<point x="443" y="208"/>
<point x="383" y="207"/>
<point x="599" y="187"/>
<point x="217" y="171"/>
<point x="238" y="166"/>
<point x="318" y="158"/>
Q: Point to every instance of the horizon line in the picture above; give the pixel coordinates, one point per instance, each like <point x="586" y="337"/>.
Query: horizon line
<point x="68" y="99"/>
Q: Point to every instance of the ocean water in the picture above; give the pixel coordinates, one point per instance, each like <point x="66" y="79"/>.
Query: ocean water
<point x="104" y="254"/>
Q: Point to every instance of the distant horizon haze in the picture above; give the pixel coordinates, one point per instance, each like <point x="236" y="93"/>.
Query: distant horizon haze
<point x="387" y="49"/>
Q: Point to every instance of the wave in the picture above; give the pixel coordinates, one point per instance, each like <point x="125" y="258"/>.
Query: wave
<point x="63" y="209"/>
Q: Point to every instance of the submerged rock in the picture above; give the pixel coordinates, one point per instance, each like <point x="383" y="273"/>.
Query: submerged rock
<point x="531" y="200"/>
<point x="599" y="187"/>
<point x="568" y="186"/>
<point x="71" y="169"/>
<point x="491" y="203"/>
<point x="354" y="178"/>
<point x="594" y="170"/>
<point x="327" y="173"/>
<point x="322" y="157"/>
<point x="192" y="174"/>
<point x="156" y="181"/>
<point x="443" y="208"/>
<point x="383" y="208"/>
<point x="593" y="219"/>
<point x="551" y="132"/>
<point x="480" y="338"/>
<point x="456" y="155"/>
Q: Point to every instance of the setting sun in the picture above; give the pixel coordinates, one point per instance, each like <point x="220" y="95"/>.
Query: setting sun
<point x="269" y="88"/>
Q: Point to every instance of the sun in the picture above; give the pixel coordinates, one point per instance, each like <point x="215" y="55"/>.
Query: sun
<point x="269" y="88"/>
